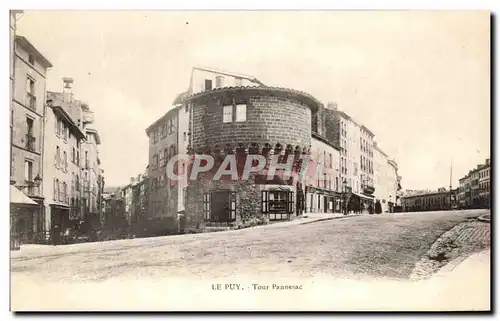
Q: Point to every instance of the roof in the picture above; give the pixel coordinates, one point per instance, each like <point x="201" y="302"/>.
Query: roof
<point x="301" y="96"/>
<point x="324" y="140"/>
<point x="429" y="193"/>
<point x="367" y="130"/>
<point x="227" y="73"/>
<point x="23" y="42"/>
<point x="18" y="197"/>
<point x="55" y="102"/>
<point x="162" y="118"/>
<point x="381" y="151"/>
<point x="180" y="97"/>
<point x="95" y="133"/>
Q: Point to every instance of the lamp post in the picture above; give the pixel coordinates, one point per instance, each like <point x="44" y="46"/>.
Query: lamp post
<point x="344" y="196"/>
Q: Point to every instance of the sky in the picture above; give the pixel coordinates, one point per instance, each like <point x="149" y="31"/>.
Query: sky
<point x="419" y="80"/>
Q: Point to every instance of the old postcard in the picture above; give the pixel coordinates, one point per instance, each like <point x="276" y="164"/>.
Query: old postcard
<point x="250" y="160"/>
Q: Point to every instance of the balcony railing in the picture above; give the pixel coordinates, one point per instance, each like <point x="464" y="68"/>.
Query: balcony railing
<point x="30" y="143"/>
<point x="30" y="188"/>
<point x="31" y="101"/>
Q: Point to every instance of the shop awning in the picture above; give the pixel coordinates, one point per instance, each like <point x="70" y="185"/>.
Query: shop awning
<point x="18" y="197"/>
<point x="367" y="197"/>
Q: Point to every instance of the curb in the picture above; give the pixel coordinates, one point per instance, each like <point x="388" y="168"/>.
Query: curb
<point x="485" y="218"/>
<point x="330" y="218"/>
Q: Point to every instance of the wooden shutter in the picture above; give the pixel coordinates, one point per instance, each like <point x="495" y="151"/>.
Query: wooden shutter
<point x="232" y="206"/>
<point x="206" y="206"/>
<point x="265" y="202"/>
<point x="290" y="203"/>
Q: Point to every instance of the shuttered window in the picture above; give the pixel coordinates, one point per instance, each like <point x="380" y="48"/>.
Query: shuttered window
<point x="206" y="206"/>
<point x="265" y="202"/>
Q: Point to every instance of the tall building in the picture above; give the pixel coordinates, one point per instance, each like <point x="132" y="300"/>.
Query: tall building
<point x="72" y="138"/>
<point x="28" y="97"/>
<point x="356" y="144"/>
<point x="92" y="171"/>
<point x="62" y="183"/>
<point x="168" y="137"/>
<point x="323" y="192"/>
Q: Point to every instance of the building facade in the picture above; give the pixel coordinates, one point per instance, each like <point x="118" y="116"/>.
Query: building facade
<point x="167" y="138"/>
<point x="474" y="188"/>
<point x="62" y="182"/>
<point x="27" y="140"/>
<point x="427" y="201"/>
<point x="323" y="191"/>
<point x="356" y="144"/>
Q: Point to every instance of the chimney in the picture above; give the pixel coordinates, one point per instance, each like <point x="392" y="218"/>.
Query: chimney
<point x="67" y="89"/>
<point x="131" y="180"/>
<point x="488" y="162"/>
<point x="332" y="106"/>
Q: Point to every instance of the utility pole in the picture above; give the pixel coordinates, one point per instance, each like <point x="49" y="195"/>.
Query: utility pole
<point x="451" y="194"/>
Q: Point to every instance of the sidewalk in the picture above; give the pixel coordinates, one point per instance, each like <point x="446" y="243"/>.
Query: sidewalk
<point x="465" y="286"/>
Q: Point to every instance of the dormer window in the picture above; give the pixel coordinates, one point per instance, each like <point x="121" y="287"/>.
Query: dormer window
<point x="31" y="59"/>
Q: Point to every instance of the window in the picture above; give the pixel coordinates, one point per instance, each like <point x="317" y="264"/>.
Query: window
<point x="55" y="189"/>
<point x="65" y="132"/>
<point x="330" y="160"/>
<point x="28" y="170"/>
<point x="184" y="136"/>
<point x="155" y="160"/>
<point x="65" y="160"/>
<point x="57" y="192"/>
<point x="58" y="157"/>
<point x="278" y="204"/>
<point x="30" y="91"/>
<point x="163" y="160"/>
<point x="186" y="108"/>
<point x="241" y="112"/>
<point x="73" y="155"/>
<point x="173" y="151"/>
<point x="166" y="156"/>
<point x="163" y="133"/>
<point x="77" y="182"/>
<point x="31" y="59"/>
<point x="219" y="80"/>
<point x="208" y="84"/>
<point x="227" y="114"/>
<point x="171" y="126"/>
<point x="78" y="158"/>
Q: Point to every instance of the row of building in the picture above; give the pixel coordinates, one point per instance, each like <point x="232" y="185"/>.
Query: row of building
<point x="473" y="192"/>
<point x="474" y="188"/>
<point x="56" y="177"/>
<point x="225" y="113"/>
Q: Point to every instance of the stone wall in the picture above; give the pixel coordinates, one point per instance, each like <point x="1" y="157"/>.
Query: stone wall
<point x="270" y="119"/>
<point x="248" y="198"/>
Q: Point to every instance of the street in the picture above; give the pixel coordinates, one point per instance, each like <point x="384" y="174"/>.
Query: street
<point x="366" y="247"/>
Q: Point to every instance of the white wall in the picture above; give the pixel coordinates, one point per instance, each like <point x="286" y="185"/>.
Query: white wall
<point x="199" y="76"/>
